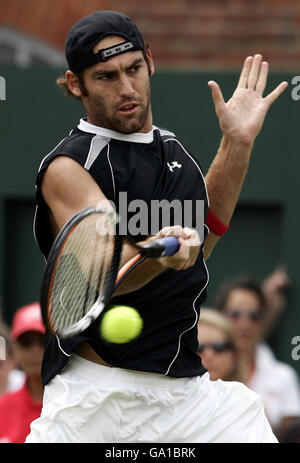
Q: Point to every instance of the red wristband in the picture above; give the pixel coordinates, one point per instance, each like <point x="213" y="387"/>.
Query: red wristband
<point x="215" y="225"/>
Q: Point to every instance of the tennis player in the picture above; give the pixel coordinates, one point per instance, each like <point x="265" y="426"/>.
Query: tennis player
<point x="152" y="389"/>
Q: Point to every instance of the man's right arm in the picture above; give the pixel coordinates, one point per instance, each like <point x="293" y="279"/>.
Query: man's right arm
<point x="68" y="188"/>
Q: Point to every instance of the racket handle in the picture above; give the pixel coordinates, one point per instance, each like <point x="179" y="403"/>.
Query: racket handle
<point x="161" y="247"/>
<point x="171" y="245"/>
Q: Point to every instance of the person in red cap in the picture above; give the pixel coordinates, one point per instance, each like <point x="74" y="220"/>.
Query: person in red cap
<point x="18" y="409"/>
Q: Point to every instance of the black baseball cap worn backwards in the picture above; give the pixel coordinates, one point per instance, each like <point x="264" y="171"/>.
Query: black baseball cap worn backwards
<point x="88" y="31"/>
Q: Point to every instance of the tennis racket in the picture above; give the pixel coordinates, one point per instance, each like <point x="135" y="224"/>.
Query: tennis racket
<point x="82" y="269"/>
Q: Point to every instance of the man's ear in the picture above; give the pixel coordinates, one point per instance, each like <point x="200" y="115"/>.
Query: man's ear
<point x="73" y="84"/>
<point x="150" y="61"/>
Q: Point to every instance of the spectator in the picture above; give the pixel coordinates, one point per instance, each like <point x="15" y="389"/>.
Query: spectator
<point x="11" y="378"/>
<point x="291" y="434"/>
<point x="216" y="346"/>
<point x="244" y="304"/>
<point x="18" y="409"/>
<point x="275" y="287"/>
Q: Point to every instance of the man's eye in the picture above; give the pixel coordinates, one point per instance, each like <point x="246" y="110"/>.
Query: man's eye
<point x="135" y="68"/>
<point x="104" y="76"/>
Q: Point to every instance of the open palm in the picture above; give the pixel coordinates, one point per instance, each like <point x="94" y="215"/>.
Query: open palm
<point x="243" y="115"/>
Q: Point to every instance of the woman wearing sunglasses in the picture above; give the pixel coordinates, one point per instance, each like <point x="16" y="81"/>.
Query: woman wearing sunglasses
<point x="216" y="346"/>
<point x="243" y="303"/>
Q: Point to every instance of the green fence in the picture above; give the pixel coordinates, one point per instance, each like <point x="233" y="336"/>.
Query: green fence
<point x="264" y="231"/>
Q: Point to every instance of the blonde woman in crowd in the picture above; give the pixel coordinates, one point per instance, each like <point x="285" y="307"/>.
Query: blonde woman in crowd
<point x="216" y="346"/>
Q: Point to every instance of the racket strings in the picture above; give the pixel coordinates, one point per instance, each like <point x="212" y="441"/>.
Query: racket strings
<point x="82" y="269"/>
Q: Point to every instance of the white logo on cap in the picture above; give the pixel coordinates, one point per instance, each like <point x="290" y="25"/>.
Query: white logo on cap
<point x="116" y="50"/>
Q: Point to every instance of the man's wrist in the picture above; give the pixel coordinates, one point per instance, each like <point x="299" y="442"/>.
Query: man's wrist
<point x="238" y="140"/>
<point x="215" y="224"/>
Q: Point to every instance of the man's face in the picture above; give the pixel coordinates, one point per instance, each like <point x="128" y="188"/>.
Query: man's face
<point x="116" y="93"/>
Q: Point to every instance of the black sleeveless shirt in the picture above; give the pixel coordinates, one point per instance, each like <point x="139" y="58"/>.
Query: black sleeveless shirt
<point x="138" y="169"/>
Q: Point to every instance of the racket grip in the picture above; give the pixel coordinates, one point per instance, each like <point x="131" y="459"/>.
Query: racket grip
<point x="161" y="247"/>
<point x="171" y="245"/>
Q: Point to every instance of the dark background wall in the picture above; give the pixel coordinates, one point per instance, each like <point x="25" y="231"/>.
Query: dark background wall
<point x="185" y="34"/>
<point x="263" y="232"/>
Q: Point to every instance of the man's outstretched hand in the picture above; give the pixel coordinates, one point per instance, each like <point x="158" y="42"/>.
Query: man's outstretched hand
<point x="241" y="118"/>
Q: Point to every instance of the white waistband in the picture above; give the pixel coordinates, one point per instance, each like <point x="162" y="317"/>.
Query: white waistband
<point x="97" y="373"/>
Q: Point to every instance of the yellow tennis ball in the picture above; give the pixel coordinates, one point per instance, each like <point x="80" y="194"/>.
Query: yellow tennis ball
<point x="121" y="324"/>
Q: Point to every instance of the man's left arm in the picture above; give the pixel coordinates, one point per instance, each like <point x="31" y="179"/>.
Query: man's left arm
<point x="240" y="119"/>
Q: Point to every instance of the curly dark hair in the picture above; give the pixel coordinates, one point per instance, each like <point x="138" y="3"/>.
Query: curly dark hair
<point x="244" y="282"/>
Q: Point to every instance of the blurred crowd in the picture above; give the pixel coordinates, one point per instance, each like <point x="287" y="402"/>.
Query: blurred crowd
<point x="232" y="343"/>
<point x="21" y="390"/>
<point x="233" y="346"/>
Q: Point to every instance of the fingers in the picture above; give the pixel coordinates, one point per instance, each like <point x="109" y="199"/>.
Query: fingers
<point x="243" y="81"/>
<point x="254" y="73"/>
<point x="175" y="230"/>
<point x="254" y="77"/>
<point x="188" y="234"/>
<point x="276" y="92"/>
<point x="189" y="248"/>
<point x="187" y="255"/>
<point x="216" y="96"/>
<point x="262" y="78"/>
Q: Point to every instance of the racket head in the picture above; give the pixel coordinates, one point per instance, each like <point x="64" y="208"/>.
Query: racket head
<point x="81" y="270"/>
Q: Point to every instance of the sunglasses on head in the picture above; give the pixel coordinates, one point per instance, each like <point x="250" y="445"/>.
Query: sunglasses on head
<point x="252" y="315"/>
<point x="217" y="347"/>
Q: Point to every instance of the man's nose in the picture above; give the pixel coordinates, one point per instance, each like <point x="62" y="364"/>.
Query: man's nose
<point x="125" y="86"/>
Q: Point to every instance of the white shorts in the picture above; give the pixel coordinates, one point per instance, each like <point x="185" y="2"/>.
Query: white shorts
<point x="92" y="403"/>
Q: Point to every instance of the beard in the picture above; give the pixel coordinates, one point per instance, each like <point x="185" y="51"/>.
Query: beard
<point x="108" y="118"/>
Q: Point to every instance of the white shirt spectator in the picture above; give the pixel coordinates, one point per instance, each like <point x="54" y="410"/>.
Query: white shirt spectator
<point x="278" y="385"/>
